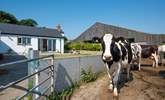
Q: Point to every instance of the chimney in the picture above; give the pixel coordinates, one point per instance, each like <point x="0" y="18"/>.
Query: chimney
<point x="58" y="28"/>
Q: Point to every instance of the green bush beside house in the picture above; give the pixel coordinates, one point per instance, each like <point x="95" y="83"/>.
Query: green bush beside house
<point x="83" y="46"/>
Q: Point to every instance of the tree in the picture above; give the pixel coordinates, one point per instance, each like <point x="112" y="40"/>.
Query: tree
<point x="28" y="22"/>
<point x="65" y="39"/>
<point x="7" y="18"/>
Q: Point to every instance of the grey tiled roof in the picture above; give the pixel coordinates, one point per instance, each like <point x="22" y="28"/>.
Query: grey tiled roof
<point x="13" y="29"/>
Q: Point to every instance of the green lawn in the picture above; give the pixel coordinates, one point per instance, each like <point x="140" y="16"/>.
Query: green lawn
<point x="69" y="55"/>
<point x="82" y="53"/>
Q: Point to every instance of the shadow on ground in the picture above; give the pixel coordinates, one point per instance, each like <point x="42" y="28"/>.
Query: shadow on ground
<point x="162" y="74"/>
<point x="10" y="73"/>
<point x="123" y="82"/>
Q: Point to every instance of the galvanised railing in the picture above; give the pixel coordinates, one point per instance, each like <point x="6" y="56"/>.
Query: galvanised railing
<point x="34" y="89"/>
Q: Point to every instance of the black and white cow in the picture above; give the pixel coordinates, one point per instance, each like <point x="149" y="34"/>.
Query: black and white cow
<point x="161" y="53"/>
<point x="115" y="53"/>
<point x="136" y="54"/>
<point x="152" y="53"/>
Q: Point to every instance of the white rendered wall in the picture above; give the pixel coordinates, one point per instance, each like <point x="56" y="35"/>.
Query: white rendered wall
<point x="62" y="45"/>
<point x="10" y="42"/>
<point x="58" y="49"/>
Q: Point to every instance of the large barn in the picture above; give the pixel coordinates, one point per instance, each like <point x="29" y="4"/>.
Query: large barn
<point x="98" y="29"/>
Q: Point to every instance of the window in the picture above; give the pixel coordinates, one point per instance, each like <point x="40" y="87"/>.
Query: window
<point x="54" y="45"/>
<point x="28" y="41"/>
<point x="49" y="45"/>
<point x="19" y="40"/>
<point x="23" y="41"/>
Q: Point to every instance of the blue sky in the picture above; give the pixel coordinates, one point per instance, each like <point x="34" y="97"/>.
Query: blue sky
<point x="76" y="16"/>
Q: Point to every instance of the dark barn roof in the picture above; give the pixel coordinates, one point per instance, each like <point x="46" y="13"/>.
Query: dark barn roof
<point x="99" y="29"/>
<point x="13" y="29"/>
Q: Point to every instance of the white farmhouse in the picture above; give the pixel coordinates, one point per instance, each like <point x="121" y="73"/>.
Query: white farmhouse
<point x="19" y="38"/>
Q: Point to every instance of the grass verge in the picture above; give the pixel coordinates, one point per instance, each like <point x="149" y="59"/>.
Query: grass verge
<point x="85" y="77"/>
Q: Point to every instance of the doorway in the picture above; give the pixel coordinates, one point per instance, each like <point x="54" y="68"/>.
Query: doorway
<point x="45" y="47"/>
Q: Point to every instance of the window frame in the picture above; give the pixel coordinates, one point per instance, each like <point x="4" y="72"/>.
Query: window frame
<point x="54" y="44"/>
<point x="19" y="42"/>
<point x="49" y="45"/>
<point x="24" y="40"/>
<point x="28" y="42"/>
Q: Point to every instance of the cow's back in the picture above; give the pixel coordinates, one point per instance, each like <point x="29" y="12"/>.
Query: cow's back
<point x="161" y="48"/>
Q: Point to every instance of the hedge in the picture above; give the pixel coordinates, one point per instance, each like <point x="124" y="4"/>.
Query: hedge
<point x="83" y="46"/>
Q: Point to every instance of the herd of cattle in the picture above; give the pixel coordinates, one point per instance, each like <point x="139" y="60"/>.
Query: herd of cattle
<point x="118" y="54"/>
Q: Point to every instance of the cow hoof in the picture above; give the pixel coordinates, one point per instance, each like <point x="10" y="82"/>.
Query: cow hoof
<point x="111" y="87"/>
<point x="115" y="92"/>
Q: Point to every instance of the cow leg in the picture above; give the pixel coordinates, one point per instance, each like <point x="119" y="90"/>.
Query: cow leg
<point x="116" y="77"/>
<point x="161" y="57"/>
<point x="128" y="71"/>
<point x="153" y="63"/>
<point x="139" y="65"/>
<point x="110" y="78"/>
<point x="155" y="60"/>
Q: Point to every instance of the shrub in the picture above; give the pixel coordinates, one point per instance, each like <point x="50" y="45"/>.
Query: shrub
<point x="83" y="46"/>
<point x="66" y="46"/>
<point x="162" y="43"/>
<point x="96" y="47"/>
<point x="65" y="94"/>
<point x="88" y="76"/>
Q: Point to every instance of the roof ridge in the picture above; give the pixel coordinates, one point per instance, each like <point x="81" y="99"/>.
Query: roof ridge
<point x="27" y="26"/>
<point x="126" y="28"/>
<point x="28" y="30"/>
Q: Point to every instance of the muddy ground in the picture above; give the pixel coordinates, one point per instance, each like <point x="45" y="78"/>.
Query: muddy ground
<point x="147" y="84"/>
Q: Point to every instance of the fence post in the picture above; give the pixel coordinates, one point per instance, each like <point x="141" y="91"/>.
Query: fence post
<point x="52" y="74"/>
<point x="33" y="67"/>
<point x="30" y="69"/>
<point x="36" y="68"/>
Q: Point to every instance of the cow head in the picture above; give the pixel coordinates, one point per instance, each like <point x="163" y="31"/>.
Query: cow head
<point x="107" y="42"/>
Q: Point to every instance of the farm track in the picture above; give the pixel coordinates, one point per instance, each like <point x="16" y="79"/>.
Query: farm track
<point x="147" y="84"/>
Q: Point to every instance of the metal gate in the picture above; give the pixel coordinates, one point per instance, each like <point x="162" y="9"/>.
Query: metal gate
<point x="33" y="91"/>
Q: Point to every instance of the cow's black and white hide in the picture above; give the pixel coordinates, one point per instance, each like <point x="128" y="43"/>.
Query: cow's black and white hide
<point x="117" y="53"/>
<point x="161" y="53"/>
<point x="136" y="54"/>
<point x="152" y="53"/>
